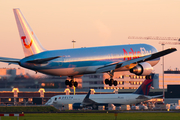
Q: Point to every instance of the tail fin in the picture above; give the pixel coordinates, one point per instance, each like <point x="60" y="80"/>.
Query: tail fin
<point x="145" y="87"/>
<point x="30" y="42"/>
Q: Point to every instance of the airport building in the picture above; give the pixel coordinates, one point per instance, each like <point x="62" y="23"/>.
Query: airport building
<point x="10" y="78"/>
<point x="24" y="96"/>
<point x="17" y="87"/>
<point x="171" y="77"/>
<point x="125" y="80"/>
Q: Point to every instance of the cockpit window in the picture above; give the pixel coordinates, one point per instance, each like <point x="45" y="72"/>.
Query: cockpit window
<point x="55" y="99"/>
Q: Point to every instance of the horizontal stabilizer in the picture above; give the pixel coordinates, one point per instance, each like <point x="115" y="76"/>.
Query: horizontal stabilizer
<point x="9" y="60"/>
<point x="43" y="61"/>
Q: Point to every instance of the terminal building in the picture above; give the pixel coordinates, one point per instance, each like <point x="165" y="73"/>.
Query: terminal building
<point x="18" y="78"/>
<point x="124" y="81"/>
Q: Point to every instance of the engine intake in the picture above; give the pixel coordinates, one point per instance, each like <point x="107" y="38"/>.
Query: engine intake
<point x="142" y="69"/>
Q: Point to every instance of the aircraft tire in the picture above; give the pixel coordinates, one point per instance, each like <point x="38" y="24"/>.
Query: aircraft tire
<point x="111" y="81"/>
<point x="70" y="84"/>
<point x="106" y="81"/>
<point x="67" y="82"/>
<point x="115" y="83"/>
<point x="75" y="84"/>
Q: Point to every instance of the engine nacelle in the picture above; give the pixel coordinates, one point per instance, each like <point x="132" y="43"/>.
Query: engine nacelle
<point x="77" y="106"/>
<point x="142" y="69"/>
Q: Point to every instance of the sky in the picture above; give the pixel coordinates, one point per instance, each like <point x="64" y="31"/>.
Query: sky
<point x="91" y="23"/>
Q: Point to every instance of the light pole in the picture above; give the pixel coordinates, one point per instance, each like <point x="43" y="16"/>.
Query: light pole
<point x="73" y="42"/>
<point x="163" y="73"/>
<point x="73" y="79"/>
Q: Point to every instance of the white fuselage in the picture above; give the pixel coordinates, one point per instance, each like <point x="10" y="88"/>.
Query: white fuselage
<point x="122" y="99"/>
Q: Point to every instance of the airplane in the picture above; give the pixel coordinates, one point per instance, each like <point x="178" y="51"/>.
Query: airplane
<point x="136" y="58"/>
<point x="95" y="100"/>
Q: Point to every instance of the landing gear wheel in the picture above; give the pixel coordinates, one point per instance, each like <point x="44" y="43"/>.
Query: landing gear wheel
<point x="115" y="83"/>
<point x="70" y="84"/>
<point x="111" y="81"/>
<point x="106" y="81"/>
<point x="75" y="84"/>
<point x="67" y="82"/>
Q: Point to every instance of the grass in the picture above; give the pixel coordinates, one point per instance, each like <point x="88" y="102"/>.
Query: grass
<point x="97" y="116"/>
<point x="20" y="109"/>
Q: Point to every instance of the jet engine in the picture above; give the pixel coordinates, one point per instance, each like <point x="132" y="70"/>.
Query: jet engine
<point x="77" y="106"/>
<point x="142" y="69"/>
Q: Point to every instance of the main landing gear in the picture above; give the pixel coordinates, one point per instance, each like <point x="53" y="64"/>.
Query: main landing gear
<point x="71" y="82"/>
<point x="111" y="81"/>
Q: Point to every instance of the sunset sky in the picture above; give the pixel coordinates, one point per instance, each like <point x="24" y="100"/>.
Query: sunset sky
<point x="91" y="23"/>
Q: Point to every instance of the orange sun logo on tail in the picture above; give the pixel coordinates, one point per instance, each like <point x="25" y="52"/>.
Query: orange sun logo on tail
<point x="27" y="46"/>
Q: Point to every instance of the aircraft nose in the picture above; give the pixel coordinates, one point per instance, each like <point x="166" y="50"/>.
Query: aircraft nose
<point x="49" y="102"/>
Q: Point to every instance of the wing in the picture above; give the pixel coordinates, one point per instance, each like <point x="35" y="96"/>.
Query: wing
<point x="134" y="62"/>
<point x="42" y="61"/>
<point x="148" y="97"/>
<point x="87" y="100"/>
<point x="36" y="61"/>
<point x="157" y="96"/>
<point x="10" y="60"/>
<point x="142" y="97"/>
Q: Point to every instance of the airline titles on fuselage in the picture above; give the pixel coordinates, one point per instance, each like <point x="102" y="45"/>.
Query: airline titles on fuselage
<point x="120" y="97"/>
<point x="135" y="54"/>
<point x="66" y="97"/>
